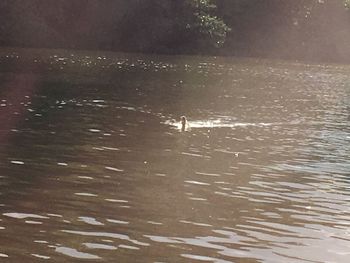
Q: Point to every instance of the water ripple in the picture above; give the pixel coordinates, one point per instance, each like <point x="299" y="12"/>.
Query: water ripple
<point x="71" y="252"/>
<point x="104" y="234"/>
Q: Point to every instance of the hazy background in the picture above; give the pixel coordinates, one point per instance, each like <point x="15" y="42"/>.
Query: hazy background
<point x="299" y="29"/>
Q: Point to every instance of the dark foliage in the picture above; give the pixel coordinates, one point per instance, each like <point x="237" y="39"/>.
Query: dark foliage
<point x="311" y="29"/>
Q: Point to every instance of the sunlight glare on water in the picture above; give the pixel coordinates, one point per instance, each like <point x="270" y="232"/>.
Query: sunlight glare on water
<point x="93" y="167"/>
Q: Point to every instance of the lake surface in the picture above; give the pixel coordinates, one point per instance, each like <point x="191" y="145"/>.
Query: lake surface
<point x="91" y="169"/>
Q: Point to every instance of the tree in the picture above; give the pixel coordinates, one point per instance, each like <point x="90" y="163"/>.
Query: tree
<point x="347" y="4"/>
<point x="172" y="26"/>
<point x="203" y="22"/>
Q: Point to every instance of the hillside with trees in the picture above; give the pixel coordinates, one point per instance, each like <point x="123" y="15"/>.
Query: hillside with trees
<point x="298" y="29"/>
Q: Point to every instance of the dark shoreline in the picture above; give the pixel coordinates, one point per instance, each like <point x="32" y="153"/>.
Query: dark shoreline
<point x="39" y="60"/>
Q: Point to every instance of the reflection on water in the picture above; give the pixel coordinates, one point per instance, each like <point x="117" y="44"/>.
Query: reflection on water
<point x="92" y="167"/>
<point x="219" y="123"/>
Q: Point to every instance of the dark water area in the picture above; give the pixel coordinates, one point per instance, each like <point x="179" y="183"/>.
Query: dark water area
<point x="92" y="169"/>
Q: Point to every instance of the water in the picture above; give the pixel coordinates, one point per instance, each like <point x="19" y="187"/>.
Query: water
<point x="92" y="168"/>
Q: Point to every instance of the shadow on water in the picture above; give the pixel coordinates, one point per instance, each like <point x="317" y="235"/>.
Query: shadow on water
<point x="91" y="168"/>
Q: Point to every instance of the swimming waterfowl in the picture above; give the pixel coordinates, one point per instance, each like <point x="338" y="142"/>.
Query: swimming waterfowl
<point x="183" y="123"/>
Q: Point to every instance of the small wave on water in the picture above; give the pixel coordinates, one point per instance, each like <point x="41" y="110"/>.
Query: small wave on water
<point x="198" y="124"/>
<point x="228" y="123"/>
